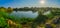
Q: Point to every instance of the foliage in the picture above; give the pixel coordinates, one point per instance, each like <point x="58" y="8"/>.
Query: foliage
<point x="4" y="14"/>
<point x="50" y="15"/>
<point x="40" y="18"/>
<point x="3" y="22"/>
<point x="2" y="9"/>
<point x="9" y="10"/>
<point x="25" y="20"/>
<point x="56" y="12"/>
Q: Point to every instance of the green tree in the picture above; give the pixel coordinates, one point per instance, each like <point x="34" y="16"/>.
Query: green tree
<point x="2" y="9"/>
<point x="9" y="10"/>
<point x="40" y="19"/>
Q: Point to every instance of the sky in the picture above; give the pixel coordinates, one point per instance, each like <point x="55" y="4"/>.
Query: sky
<point x="29" y="3"/>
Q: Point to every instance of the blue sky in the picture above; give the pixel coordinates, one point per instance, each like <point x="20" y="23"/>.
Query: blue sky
<point x="29" y="3"/>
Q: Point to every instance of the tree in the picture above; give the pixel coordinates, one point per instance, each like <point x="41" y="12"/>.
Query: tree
<point x="40" y="19"/>
<point x="2" y="9"/>
<point x="9" y="10"/>
<point x="56" y="12"/>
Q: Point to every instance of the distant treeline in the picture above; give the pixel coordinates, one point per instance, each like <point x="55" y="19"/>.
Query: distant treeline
<point x="34" y="9"/>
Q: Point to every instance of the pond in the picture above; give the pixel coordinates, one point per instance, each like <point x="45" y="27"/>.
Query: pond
<point x="26" y="14"/>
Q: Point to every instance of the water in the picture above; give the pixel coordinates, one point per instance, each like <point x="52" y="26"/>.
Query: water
<point x="26" y="14"/>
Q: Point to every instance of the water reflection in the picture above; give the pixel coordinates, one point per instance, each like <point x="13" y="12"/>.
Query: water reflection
<point x="26" y="14"/>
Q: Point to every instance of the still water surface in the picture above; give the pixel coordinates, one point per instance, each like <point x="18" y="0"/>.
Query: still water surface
<point x="26" y="14"/>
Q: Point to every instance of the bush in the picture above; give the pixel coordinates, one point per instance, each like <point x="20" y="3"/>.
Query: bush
<point x="3" y="23"/>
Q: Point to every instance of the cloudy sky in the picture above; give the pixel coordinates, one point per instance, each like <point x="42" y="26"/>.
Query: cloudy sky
<point x="29" y="3"/>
